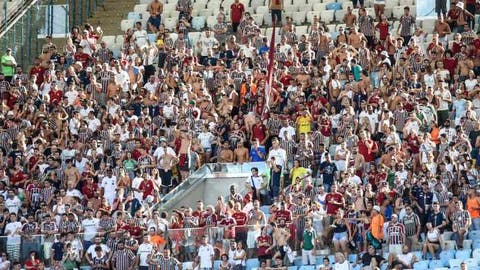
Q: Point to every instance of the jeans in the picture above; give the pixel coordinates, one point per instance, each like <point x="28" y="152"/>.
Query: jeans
<point x="275" y="182"/>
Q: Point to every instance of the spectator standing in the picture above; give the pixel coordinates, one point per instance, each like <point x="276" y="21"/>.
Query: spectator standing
<point x="396" y="237"/>
<point x="276" y="7"/>
<point x="156" y="9"/>
<point x="206" y="254"/>
<point x="123" y="258"/>
<point x="8" y="65"/>
<point x="237" y="10"/>
<point x="407" y="21"/>
<point x="13" y="231"/>
<point x="413" y="228"/>
<point x="473" y="207"/>
<point x="308" y="244"/>
<point x="461" y="224"/>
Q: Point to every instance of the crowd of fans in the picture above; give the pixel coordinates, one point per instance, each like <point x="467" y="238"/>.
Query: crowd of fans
<point x="371" y="139"/>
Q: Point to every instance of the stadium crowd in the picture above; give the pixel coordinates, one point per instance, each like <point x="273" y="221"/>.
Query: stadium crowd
<point x="371" y="139"/>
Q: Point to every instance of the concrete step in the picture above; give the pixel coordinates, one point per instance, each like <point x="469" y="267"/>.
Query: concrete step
<point x="111" y="14"/>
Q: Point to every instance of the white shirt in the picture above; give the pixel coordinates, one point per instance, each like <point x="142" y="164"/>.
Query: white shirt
<point x="109" y="184"/>
<point x="13" y="205"/>
<point x="140" y="37"/>
<point x="90" y="227"/>
<point x="280" y="156"/>
<point x="151" y="87"/>
<point x="71" y="96"/>
<point x="84" y="111"/>
<point x="74" y="125"/>
<point x="74" y="193"/>
<point x="207" y="43"/>
<point x="159" y="152"/>
<point x="256" y="181"/>
<point x="290" y="132"/>
<point x="206" y="139"/>
<point x="136" y="184"/>
<point x="206" y="252"/>
<point x="93" y="124"/>
<point x="80" y="165"/>
<point x="143" y="251"/>
<point x="12" y="229"/>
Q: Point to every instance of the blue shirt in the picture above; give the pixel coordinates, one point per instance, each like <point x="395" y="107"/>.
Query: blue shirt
<point x="254" y="154"/>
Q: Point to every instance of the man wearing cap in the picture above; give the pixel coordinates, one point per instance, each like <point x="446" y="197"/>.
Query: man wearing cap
<point x="8" y="64"/>
<point x="396" y="237"/>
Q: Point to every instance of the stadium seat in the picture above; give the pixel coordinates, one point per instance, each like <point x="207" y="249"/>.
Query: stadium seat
<point x="290" y="9"/>
<point x="463" y="254"/>
<point x="449" y="245"/>
<point x="257" y="3"/>
<point x="474" y="235"/>
<point x="205" y="12"/>
<point x="455" y="262"/>
<point x="109" y="40"/>
<point x="126" y="24"/>
<point x="435" y="264"/>
<point x="327" y="16"/>
<point x="428" y="25"/>
<point x="293" y="267"/>
<point x="134" y="16"/>
<point x="347" y="4"/>
<point x="467" y="244"/>
<point x="447" y="235"/>
<point x="298" y="261"/>
<point x="398" y="12"/>
<point x="476" y="254"/>
<point x="307" y="267"/>
<point x="211" y="21"/>
<point x="421" y="265"/>
<point x="145" y="1"/>
<point x="170" y="23"/>
<point x="301" y="30"/>
<point x="319" y="6"/>
<point x="214" y="6"/>
<point x="299" y="17"/>
<point x="198" y="23"/>
<point x="471" y="262"/>
<point x="258" y="18"/>
<point x="328" y="1"/>
<point x="311" y="14"/>
<point x="305" y="7"/>
<point x="334" y="6"/>
<point x="446" y="255"/>
<point x="140" y="8"/>
<point x="152" y="37"/>
<point x="441" y="268"/>
<point x="252" y="263"/>
<point x="262" y="10"/>
<point x="353" y="257"/>
<point x="339" y="14"/>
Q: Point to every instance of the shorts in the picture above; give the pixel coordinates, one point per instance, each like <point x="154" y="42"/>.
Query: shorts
<point x="252" y="237"/>
<point x="183" y="162"/>
<point x="264" y="257"/>
<point x="343" y="236"/>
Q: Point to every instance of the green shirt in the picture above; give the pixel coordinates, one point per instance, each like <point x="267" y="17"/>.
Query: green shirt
<point x="7" y="70"/>
<point x="309" y="239"/>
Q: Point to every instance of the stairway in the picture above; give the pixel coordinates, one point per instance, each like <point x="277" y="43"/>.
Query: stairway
<point x="111" y="14"/>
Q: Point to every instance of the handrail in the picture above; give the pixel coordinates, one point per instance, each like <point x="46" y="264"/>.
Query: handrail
<point x="16" y="16"/>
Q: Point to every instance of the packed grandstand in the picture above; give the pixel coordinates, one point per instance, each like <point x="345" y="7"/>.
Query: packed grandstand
<point x="365" y="118"/>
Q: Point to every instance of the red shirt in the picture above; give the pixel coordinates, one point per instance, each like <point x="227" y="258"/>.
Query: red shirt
<point x="39" y="71"/>
<point x="236" y="12"/>
<point x="450" y="64"/>
<point x="383" y="29"/>
<point x="18" y="177"/>
<point x="134" y="231"/>
<point x="283" y="215"/>
<point x="30" y="264"/>
<point x="89" y="190"/>
<point x="333" y="208"/>
<point x="147" y="187"/>
<point x="56" y="96"/>
<point x="369" y="155"/>
<point x="262" y="251"/>
<point x="259" y="132"/>
<point x="240" y="217"/>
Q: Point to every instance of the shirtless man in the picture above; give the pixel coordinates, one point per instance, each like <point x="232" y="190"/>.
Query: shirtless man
<point x="350" y="19"/>
<point x="72" y="175"/>
<point x="281" y="234"/>
<point x="256" y="221"/>
<point x="226" y="155"/>
<point x="358" y="161"/>
<point x="241" y="153"/>
<point x="443" y="29"/>
<point x="112" y="88"/>
<point x="323" y="43"/>
<point x="355" y="38"/>
<point x="185" y="144"/>
<point x="465" y="64"/>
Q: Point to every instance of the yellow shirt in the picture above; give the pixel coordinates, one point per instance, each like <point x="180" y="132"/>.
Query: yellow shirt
<point x="304" y="124"/>
<point x="297" y="172"/>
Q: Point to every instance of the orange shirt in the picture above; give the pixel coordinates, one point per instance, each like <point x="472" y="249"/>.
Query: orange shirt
<point x="473" y="204"/>
<point x="435" y="135"/>
<point x="377" y="226"/>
